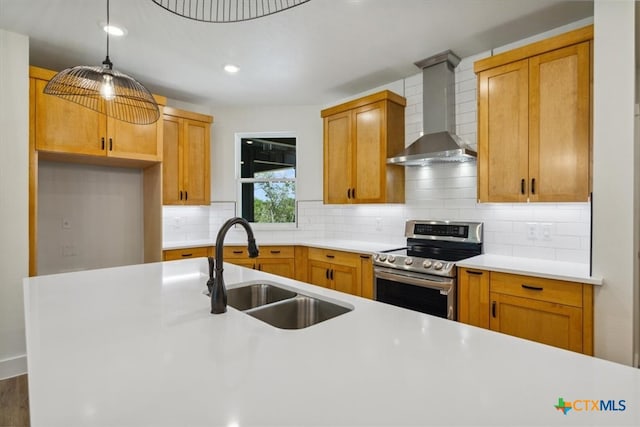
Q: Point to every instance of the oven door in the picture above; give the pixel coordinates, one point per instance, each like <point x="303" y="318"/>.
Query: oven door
<point x="421" y="292"/>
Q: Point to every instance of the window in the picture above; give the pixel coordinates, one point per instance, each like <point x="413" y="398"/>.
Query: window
<point x="267" y="177"/>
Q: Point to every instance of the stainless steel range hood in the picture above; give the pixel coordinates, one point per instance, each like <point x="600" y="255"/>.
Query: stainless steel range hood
<point x="439" y="144"/>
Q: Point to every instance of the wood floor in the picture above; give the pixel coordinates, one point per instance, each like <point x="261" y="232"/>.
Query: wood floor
<point x="14" y="402"/>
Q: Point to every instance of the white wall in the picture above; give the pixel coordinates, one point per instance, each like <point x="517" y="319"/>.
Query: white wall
<point x="88" y="217"/>
<point x="613" y="185"/>
<point x="14" y="198"/>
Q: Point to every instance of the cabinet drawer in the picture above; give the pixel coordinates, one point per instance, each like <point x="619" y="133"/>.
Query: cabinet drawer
<point x="334" y="257"/>
<point x="231" y="252"/>
<point x="173" y="254"/>
<point x="555" y="291"/>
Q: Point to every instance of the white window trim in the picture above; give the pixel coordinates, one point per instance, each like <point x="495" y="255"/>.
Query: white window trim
<point x="239" y="136"/>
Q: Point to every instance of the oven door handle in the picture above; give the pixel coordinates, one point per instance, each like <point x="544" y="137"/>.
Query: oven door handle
<point x="444" y="287"/>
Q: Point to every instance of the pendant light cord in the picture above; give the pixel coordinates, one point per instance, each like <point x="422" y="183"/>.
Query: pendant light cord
<point x="107" y="62"/>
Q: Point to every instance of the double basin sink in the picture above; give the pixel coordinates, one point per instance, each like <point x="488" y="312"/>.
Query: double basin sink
<point x="280" y="307"/>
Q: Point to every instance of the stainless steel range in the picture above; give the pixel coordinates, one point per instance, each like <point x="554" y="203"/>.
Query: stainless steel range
<point x="422" y="276"/>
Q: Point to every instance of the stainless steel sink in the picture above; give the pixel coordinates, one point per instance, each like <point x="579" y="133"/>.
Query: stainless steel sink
<point x="298" y="313"/>
<point x="256" y="295"/>
<point x="281" y="307"/>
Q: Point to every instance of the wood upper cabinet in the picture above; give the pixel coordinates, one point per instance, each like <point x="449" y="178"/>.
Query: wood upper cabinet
<point x="359" y="136"/>
<point x="534" y="121"/>
<point x="553" y="312"/>
<point x="278" y="260"/>
<point x="66" y="128"/>
<point x="186" y="161"/>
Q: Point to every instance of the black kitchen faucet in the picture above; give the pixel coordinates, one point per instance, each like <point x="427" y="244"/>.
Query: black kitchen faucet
<point x="218" y="290"/>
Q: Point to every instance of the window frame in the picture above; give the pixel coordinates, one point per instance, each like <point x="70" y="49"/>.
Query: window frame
<point x="239" y="136"/>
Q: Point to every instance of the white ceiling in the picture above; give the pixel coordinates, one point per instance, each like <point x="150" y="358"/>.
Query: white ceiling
<point x="312" y="54"/>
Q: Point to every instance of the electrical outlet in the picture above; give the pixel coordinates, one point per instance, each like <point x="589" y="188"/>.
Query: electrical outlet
<point x="69" y="250"/>
<point x="378" y="224"/>
<point x="532" y="230"/>
<point x="546" y="231"/>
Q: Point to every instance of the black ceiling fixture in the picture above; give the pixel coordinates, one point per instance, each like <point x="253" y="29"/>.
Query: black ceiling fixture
<point x="224" y="11"/>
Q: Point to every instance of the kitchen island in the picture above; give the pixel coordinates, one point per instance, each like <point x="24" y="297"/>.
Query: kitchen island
<point x="136" y="345"/>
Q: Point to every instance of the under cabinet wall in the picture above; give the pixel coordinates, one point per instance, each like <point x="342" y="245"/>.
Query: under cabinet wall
<point x="88" y="217"/>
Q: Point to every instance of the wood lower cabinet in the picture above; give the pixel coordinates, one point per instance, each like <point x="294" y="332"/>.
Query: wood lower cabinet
<point x="534" y="121"/>
<point x="337" y="270"/>
<point x="65" y="128"/>
<point x="473" y="297"/>
<point x="553" y="312"/>
<point x="279" y="260"/>
<point x="185" y="253"/>
<point x="186" y="163"/>
<point x="366" y="270"/>
<point x="358" y="137"/>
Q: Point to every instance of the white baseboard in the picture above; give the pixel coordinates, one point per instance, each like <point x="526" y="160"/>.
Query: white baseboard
<point x="13" y="367"/>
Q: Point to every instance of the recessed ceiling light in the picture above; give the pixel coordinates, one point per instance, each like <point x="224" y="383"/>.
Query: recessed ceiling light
<point x="231" y="69"/>
<point x="113" y="30"/>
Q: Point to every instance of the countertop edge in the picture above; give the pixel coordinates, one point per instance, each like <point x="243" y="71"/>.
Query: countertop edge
<point x="482" y="263"/>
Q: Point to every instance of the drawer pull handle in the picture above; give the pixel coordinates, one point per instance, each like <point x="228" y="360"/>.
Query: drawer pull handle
<point x="237" y="252"/>
<point x="365" y="256"/>
<point x="187" y="255"/>
<point x="493" y="309"/>
<point x="477" y="273"/>
<point x="275" y="252"/>
<point x="330" y="256"/>
<point x="533" y="288"/>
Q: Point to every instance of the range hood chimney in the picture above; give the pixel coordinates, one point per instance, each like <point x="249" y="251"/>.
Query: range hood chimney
<point x="439" y="144"/>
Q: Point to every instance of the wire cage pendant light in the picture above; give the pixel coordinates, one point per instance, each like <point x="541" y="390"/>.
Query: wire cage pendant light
<point x="105" y="90"/>
<point x="220" y="11"/>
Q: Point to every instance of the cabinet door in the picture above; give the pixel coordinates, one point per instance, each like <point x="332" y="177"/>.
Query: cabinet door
<point x="503" y="133"/>
<point x="318" y="272"/>
<point x="541" y="321"/>
<point x="130" y="141"/>
<point x="171" y="160"/>
<point x="559" y="125"/>
<point x="473" y="297"/>
<point x="337" y="157"/>
<point x="369" y="161"/>
<point x="280" y="267"/>
<point x="196" y="162"/>
<point x="345" y="279"/>
<point x="249" y="262"/>
<point x="63" y="126"/>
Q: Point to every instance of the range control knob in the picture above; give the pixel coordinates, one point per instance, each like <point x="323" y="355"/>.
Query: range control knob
<point x="392" y="258"/>
<point x="375" y="257"/>
<point x="427" y="264"/>
<point x="408" y="261"/>
<point x="383" y="257"/>
<point x="438" y="265"/>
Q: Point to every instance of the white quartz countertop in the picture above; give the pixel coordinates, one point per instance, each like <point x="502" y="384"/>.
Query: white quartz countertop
<point x="340" y="245"/>
<point x="137" y="346"/>
<point x="559" y="270"/>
